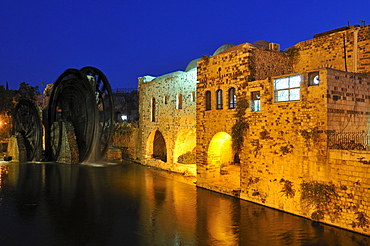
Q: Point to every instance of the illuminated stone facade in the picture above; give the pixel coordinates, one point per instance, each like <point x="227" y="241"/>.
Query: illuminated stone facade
<point x="167" y="121"/>
<point x="295" y="137"/>
<point x="286" y="129"/>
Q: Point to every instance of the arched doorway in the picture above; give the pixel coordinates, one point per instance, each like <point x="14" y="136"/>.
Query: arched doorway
<point x="222" y="168"/>
<point x="184" y="151"/>
<point x="156" y="146"/>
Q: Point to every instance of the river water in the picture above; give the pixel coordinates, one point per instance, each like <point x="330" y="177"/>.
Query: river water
<point x="129" y="204"/>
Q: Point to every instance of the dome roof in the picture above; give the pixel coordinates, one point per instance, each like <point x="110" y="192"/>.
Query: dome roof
<point x="192" y="64"/>
<point x="223" y="48"/>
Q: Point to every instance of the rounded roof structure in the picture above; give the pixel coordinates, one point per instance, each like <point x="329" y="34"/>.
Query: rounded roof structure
<point x="192" y="64"/>
<point x="223" y="48"/>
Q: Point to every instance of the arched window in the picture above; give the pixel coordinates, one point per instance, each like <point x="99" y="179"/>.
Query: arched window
<point x="153" y="110"/>
<point x="232" y="98"/>
<point x="208" y="100"/>
<point x="219" y="99"/>
<point x="179" y="101"/>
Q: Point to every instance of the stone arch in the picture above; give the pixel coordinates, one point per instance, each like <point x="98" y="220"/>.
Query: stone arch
<point x="220" y="159"/>
<point x="185" y="142"/>
<point x="156" y="146"/>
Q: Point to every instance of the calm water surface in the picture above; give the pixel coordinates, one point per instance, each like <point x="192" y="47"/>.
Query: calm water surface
<point x="128" y="204"/>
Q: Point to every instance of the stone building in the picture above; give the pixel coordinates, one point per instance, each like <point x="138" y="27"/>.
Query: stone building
<point x="167" y="120"/>
<point x="289" y="130"/>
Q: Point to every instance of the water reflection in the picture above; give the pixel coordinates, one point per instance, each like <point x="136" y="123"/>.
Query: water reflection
<point x="128" y="204"/>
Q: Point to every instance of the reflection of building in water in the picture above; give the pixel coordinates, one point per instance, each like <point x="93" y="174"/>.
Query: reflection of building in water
<point x="287" y="129"/>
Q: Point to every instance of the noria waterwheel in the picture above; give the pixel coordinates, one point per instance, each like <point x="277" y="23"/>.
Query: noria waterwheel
<point x="80" y="115"/>
<point x="105" y="108"/>
<point x="28" y="129"/>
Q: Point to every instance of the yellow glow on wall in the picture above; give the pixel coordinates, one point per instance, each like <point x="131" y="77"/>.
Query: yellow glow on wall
<point x="185" y="142"/>
<point x="220" y="152"/>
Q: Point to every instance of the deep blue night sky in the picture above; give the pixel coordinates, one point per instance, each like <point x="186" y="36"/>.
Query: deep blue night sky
<point x="129" y="39"/>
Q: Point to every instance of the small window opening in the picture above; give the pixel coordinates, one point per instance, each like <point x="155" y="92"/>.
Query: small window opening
<point x="255" y="101"/>
<point x="219" y="99"/>
<point x="193" y="96"/>
<point x="313" y="78"/>
<point x="208" y="100"/>
<point x="232" y="98"/>
<point x="153" y="110"/>
<point x="179" y="101"/>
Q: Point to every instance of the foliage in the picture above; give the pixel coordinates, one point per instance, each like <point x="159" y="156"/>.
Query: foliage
<point x="121" y="129"/>
<point x="317" y="193"/>
<point x="287" y="189"/>
<point x="286" y="149"/>
<point x="8" y="98"/>
<point x="28" y="92"/>
<point x="317" y="215"/>
<point x="237" y="131"/>
<point x="362" y="219"/>
<point x="187" y="158"/>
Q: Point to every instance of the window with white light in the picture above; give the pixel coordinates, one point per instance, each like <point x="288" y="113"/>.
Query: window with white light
<point x="232" y="98"/>
<point x="287" y="88"/>
<point x="219" y="99"/>
<point x="255" y="101"/>
<point x="313" y="78"/>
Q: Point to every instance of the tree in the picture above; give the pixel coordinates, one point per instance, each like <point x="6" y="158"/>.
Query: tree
<point x="7" y="99"/>
<point x="28" y="92"/>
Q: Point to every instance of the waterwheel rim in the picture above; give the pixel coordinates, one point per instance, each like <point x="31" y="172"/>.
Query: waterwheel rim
<point x="70" y="100"/>
<point x="104" y="105"/>
<point x="26" y="121"/>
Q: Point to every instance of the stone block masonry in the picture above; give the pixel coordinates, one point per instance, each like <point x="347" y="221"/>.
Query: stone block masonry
<point x="297" y="138"/>
<point x="167" y="120"/>
<point x="285" y="129"/>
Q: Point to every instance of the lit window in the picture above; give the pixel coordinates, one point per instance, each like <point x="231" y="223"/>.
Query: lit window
<point x="164" y="99"/>
<point x="153" y="110"/>
<point x="123" y="117"/>
<point x="287" y="88"/>
<point x="313" y="78"/>
<point x="232" y="98"/>
<point x="208" y="100"/>
<point x="179" y="101"/>
<point x="219" y="99"/>
<point x="255" y="101"/>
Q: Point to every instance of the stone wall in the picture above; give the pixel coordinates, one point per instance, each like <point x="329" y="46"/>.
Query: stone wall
<point x="347" y="50"/>
<point x="125" y="142"/>
<point x="290" y="157"/>
<point x="167" y="118"/>
<point x="233" y="68"/>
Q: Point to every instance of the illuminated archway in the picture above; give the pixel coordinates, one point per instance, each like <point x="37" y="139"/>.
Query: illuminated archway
<point x="185" y="144"/>
<point x="221" y="161"/>
<point x="156" y="146"/>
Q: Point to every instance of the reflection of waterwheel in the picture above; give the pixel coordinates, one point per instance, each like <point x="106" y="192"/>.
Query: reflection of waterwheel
<point x="105" y="108"/>
<point x="26" y="122"/>
<point x="70" y="101"/>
